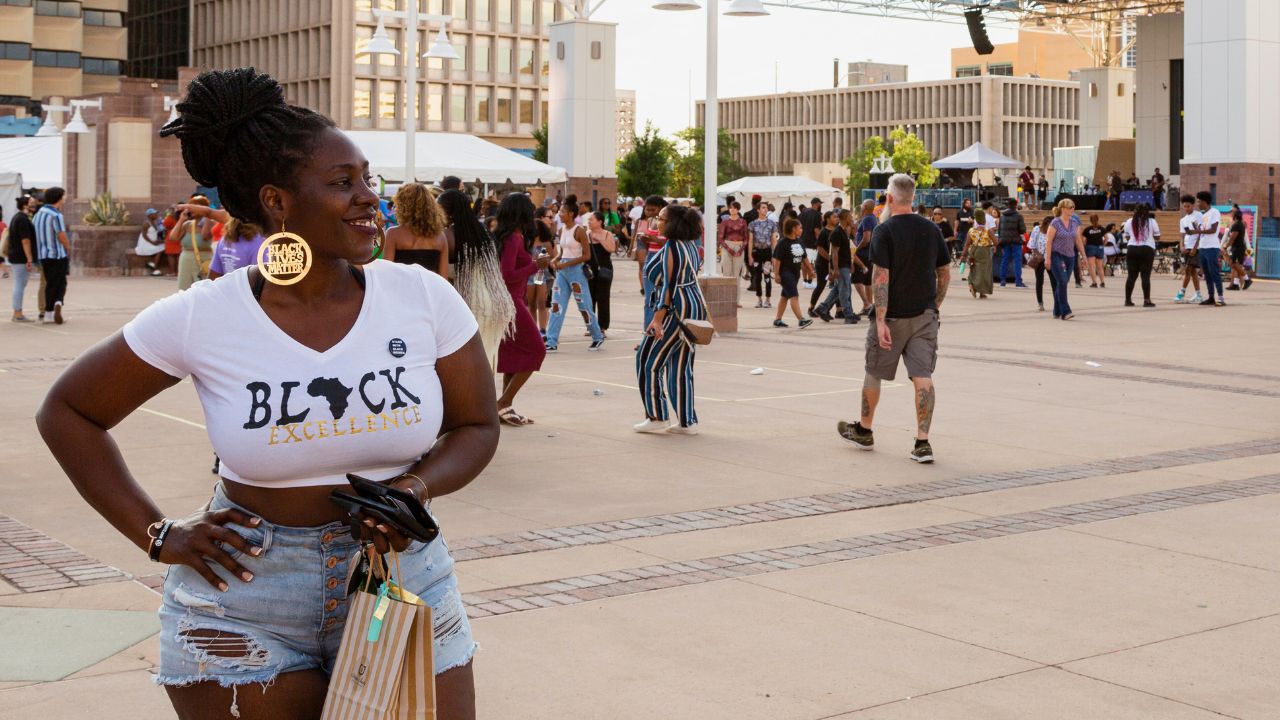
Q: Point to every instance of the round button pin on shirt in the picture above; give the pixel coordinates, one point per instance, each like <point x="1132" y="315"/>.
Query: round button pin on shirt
<point x="397" y="348"/>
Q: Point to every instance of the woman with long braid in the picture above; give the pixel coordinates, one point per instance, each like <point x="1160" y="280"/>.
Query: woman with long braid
<point x="477" y="273"/>
<point x="354" y="366"/>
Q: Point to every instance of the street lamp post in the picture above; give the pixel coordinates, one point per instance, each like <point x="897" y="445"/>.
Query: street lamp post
<point x="381" y="43"/>
<point x="711" y="123"/>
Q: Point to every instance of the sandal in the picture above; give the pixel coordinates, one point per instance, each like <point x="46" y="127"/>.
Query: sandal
<point x="509" y="416"/>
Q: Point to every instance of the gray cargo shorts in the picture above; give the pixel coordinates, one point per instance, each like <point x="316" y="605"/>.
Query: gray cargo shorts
<point x="915" y="340"/>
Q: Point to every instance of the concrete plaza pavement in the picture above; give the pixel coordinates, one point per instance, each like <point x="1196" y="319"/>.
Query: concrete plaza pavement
<point x="1097" y="539"/>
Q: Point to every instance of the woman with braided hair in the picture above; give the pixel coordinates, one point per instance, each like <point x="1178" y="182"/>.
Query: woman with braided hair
<point x="477" y="273"/>
<point x="337" y="364"/>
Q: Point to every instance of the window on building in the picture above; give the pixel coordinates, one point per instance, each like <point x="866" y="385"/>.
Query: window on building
<point x="1120" y="90"/>
<point x="56" y="58"/>
<point x="459" y="9"/>
<point x="362" y="99"/>
<point x="481" y="49"/>
<point x="526" y="13"/>
<point x="388" y="102"/>
<point x="103" y="18"/>
<point x="435" y="102"/>
<point x="526" y="57"/>
<point x="484" y="13"/>
<point x="506" y="11"/>
<point x="504" y="106"/>
<point x="545" y="48"/>
<point x="58" y="8"/>
<point x="526" y="107"/>
<point x="483" y="101"/>
<point x="15" y="51"/>
<point x="1000" y="69"/>
<point x="433" y="7"/>
<point x="548" y="12"/>
<point x="545" y="114"/>
<point x="16" y="3"/>
<point x="506" y="52"/>
<point x="459" y="47"/>
<point x="458" y="107"/>
<point x="103" y="66"/>
<point x="370" y="5"/>
<point x="968" y="71"/>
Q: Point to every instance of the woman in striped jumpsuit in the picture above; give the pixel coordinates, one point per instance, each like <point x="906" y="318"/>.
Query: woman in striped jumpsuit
<point x="665" y="354"/>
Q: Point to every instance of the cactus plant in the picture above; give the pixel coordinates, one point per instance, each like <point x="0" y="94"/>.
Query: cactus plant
<point x="106" y="210"/>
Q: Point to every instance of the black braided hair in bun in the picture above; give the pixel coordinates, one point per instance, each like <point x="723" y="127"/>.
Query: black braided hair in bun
<point x="239" y="134"/>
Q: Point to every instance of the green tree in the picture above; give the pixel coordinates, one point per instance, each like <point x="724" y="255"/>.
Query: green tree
<point x="910" y="156"/>
<point x="646" y="170"/>
<point x="690" y="162"/>
<point x="859" y="165"/>
<point x="540" y="136"/>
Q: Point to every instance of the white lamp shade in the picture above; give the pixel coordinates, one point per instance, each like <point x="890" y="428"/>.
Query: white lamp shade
<point x="379" y="43"/>
<point x="47" y="129"/>
<point x="77" y="124"/>
<point x="746" y="8"/>
<point x="677" y="5"/>
<point x="442" y="48"/>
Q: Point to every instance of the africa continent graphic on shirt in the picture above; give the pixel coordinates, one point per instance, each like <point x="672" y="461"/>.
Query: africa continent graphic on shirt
<point x="389" y="405"/>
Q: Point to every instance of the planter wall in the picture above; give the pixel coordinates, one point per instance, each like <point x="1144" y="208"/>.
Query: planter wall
<point x="721" y="294"/>
<point x="100" y="250"/>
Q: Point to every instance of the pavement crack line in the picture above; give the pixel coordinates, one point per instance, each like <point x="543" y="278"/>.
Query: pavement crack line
<point x="597" y="586"/>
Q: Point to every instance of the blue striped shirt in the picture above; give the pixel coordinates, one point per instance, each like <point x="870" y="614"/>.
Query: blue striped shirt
<point x="49" y="222"/>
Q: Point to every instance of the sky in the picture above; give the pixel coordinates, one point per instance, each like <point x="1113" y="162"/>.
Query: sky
<point x="662" y="55"/>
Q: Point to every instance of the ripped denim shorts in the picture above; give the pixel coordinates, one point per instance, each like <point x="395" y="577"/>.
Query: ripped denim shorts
<point x="291" y="615"/>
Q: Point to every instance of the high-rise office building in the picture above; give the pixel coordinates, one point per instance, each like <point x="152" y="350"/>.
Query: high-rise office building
<point x="159" y="38"/>
<point x="626" y="121"/>
<point x="59" y="48"/>
<point x="496" y="89"/>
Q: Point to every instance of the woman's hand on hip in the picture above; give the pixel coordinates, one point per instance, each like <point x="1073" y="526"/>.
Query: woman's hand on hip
<point x="202" y="538"/>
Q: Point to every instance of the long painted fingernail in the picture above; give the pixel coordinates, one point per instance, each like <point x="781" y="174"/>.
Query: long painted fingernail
<point x="368" y="522"/>
<point x="248" y="576"/>
<point x="384" y="528"/>
<point x="255" y="521"/>
<point x="222" y="586"/>
<point x="255" y="551"/>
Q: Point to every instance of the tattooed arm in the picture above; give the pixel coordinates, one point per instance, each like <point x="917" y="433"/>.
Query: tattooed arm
<point x="944" y="279"/>
<point x="880" y="291"/>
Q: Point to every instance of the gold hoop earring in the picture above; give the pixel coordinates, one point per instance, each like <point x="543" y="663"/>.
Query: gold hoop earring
<point x="378" y="244"/>
<point x="284" y="258"/>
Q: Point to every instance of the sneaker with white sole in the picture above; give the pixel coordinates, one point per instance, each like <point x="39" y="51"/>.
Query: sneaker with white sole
<point x="596" y="346"/>
<point x="650" y="426"/>
<point x="1195" y="299"/>
<point x="922" y="452"/>
<point x="856" y="434"/>
<point x="683" y="429"/>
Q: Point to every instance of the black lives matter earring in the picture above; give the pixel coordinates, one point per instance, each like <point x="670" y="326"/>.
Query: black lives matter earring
<point x="284" y="258"/>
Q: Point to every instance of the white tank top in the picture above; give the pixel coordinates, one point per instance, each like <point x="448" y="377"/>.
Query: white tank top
<point x="570" y="248"/>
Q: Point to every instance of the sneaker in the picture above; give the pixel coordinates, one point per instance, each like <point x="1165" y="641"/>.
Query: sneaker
<point x="1196" y="298"/>
<point x="779" y="324"/>
<point x="852" y="320"/>
<point x="813" y="313"/>
<point x="683" y="429"/>
<point x="1092" y="285"/>
<point x="1041" y="307"/>
<point x="596" y="346"/>
<point x="768" y="303"/>
<point x="1069" y="316"/>
<point x="1207" y="302"/>
<point x="1020" y="285"/>
<point x="1233" y="287"/>
<point x="805" y="323"/>
<point x="824" y="314"/>
<point x="1221" y="303"/>
<point x="1129" y="303"/>
<point x="922" y="452"/>
<point x="1248" y="282"/>
<point x="1148" y="303"/>
<point x="650" y="426"/>
<point x="57" y="313"/>
<point x="156" y="273"/>
<point x="759" y="303"/>
<point x="20" y="319"/>
<point x="856" y="434"/>
<point x="1181" y="297"/>
<point x="552" y="348"/>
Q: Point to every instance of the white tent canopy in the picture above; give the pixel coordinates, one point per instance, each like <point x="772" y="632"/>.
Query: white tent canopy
<point x="10" y="189"/>
<point x="37" y="159"/>
<point x="976" y="157"/>
<point x="797" y="189"/>
<point x="439" y="154"/>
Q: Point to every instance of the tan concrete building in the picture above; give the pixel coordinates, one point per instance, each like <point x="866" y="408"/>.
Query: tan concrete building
<point x="59" y="48"/>
<point x="1045" y="54"/>
<point x="1023" y="118"/>
<point x="626" y="122"/>
<point x="873" y="73"/>
<point x="496" y="90"/>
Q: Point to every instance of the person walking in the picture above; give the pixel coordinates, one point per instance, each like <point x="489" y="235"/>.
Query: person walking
<point x="22" y="254"/>
<point x="977" y="253"/>
<point x="542" y="247"/>
<point x="571" y="280"/>
<point x="271" y="552"/>
<point x="1012" y="229"/>
<point x="1065" y="241"/>
<point x="1188" y="224"/>
<point x="810" y="226"/>
<point x="764" y="233"/>
<point x="912" y="269"/>
<point x="840" y="274"/>
<point x="521" y="351"/>
<point x="1143" y="233"/>
<point x="419" y="239"/>
<point x="790" y="263"/>
<point x="732" y="241"/>
<point x="964" y="223"/>
<point x="646" y="238"/>
<point x="54" y="250"/>
<point x="944" y="226"/>
<point x="665" y="355"/>
<point x="1038" y="244"/>
<point x="1209" y="247"/>
<point x="860" y="272"/>
<point x="1237" y="249"/>
<point x="1095" y="254"/>
<point x="822" y="265"/>
<point x="603" y="243"/>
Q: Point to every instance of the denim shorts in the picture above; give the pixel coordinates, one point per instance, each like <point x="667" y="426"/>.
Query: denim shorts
<point x="291" y="616"/>
<point x="1095" y="251"/>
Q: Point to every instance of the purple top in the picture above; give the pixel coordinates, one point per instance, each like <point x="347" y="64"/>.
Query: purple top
<point x="1064" y="240"/>
<point x="231" y="256"/>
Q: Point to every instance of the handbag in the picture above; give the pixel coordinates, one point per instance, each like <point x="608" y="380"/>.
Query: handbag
<point x="385" y="667"/>
<point x="698" y="332"/>
<point x="195" y="246"/>
<point x="1036" y="261"/>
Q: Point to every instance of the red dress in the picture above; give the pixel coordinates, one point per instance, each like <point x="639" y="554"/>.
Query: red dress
<point x="524" y="350"/>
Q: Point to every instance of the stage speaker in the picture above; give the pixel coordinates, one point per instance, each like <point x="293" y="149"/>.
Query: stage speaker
<point x="978" y="32"/>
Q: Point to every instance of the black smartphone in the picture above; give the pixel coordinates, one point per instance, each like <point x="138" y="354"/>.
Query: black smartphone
<point x="398" y="508"/>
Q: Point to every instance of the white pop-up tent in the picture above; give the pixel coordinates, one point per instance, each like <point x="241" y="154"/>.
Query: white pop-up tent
<point x="10" y="189"/>
<point x="779" y="188"/>
<point x="440" y="154"/>
<point x="976" y="157"/>
<point x="37" y="159"/>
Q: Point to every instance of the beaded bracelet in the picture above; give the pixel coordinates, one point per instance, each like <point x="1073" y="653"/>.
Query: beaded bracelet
<point x="162" y="528"/>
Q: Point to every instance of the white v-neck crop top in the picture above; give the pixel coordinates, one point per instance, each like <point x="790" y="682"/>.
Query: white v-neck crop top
<point x="280" y="414"/>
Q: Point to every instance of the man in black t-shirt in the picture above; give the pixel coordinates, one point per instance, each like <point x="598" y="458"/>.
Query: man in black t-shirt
<point x="22" y="253"/>
<point x="909" y="282"/>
